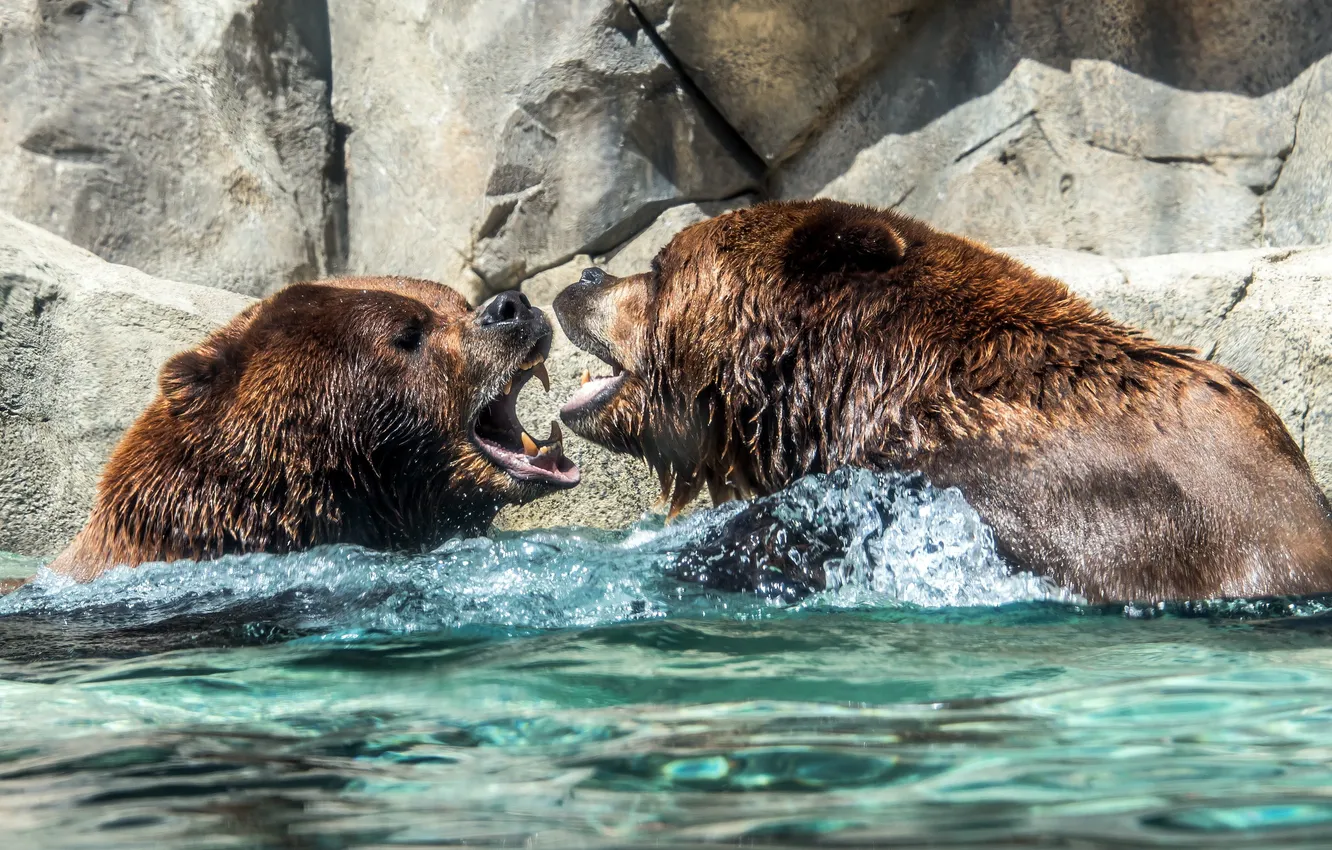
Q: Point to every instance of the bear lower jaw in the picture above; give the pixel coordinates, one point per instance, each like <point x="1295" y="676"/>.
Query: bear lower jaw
<point x="502" y="439"/>
<point x="542" y="463"/>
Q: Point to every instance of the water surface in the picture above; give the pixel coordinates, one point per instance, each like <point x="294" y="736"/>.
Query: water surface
<point x="558" y="689"/>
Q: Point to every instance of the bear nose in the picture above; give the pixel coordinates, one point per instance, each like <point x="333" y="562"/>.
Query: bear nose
<point x="592" y="277"/>
<point x="511" y="306"/>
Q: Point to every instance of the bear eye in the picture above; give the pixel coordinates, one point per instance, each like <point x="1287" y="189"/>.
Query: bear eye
<point x="409" y="339"/>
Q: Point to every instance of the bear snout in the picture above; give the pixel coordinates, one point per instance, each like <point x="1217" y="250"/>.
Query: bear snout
<point x="510" y="306"/>
<point x="581" y="311"/>
<point x="511" y="318"/>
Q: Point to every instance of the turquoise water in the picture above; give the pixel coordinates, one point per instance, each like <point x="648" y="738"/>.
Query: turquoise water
<point x="557" y="689"/>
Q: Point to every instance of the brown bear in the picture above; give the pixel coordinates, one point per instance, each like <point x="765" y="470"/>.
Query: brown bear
<point x="371" y="411"/>
<point x="793" y="338"/>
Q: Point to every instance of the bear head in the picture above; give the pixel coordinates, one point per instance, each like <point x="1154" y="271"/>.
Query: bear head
<point x="374" y="411"/>
<point x="721" y="354"/>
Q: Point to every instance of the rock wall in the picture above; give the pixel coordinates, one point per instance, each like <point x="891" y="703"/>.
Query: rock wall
<point x="490" y="141"/>
<point x="192" y="140"/>
<point x="1124" y="128"/>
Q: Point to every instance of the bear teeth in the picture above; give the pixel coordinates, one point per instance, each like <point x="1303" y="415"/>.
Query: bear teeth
<point x="542" y="375"/>
<point x="556" y="433"/>
<point x="587" y="376"/>
<point x="529" y="445"/>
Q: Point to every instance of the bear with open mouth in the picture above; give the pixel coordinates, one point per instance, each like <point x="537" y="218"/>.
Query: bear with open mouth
<point x="797" y="337"/>
<point x="371" y="411"/>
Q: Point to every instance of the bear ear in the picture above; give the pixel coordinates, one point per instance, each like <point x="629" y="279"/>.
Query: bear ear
<point x="842" y="239"/>
<point x="190" y="379"/>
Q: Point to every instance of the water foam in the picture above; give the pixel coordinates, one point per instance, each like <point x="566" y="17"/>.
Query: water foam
<point x="893" y="539"/>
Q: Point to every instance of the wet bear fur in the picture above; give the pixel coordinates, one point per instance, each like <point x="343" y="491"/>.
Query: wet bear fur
<point x="794" y="338"/>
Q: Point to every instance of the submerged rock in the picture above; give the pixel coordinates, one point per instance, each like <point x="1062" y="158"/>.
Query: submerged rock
<point x="191" y="140"/>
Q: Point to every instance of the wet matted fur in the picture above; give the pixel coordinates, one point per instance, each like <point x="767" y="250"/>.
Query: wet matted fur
<point x="798" y="337"/>
<point x="333" y="412"/>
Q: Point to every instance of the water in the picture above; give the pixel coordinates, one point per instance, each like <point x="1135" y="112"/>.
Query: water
<point x="558" y="689"/>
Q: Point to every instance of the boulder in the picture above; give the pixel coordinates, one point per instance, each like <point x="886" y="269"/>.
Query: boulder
<point x="1123" y="128"/>
<point x="1267" y="314"/>
<point x="774" y="68"/>
<point x="1298" y="210"/>
<point x="82" y="341"/>
<point x="491" y="141"/>
<point x="190" y="140"/>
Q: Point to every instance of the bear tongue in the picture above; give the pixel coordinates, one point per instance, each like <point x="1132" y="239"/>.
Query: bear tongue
<point x="589" y="390"/>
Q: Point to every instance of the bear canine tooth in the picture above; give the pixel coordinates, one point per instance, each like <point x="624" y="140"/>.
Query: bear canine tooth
<point x="529" y="445"/>
<point x="542" y="375"/>
<point x="556" y="433"/>
<point x="508" y="388"/>
<point x="587" y="376"/>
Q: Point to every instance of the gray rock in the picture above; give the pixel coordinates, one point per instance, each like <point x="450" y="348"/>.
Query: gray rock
<point x="191" y="140"/>
<point x="1298" y="210"/>
<point x="82" y="341"/>
<point x="1016" y="167"/>
<point x="775" y="67"/>
<point x="542" y="288"/>
<point x="635" y="256"/>
<point x="1170" y="131"/>
<point x="1267" y="314"/>
<point x="492" y="141"/>
<point x="632" y="257"/>
<point x="1141" y="117"/>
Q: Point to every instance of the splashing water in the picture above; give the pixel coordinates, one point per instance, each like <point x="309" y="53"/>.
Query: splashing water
<point x="561" y="689"/>
<point x="902" y="542"/>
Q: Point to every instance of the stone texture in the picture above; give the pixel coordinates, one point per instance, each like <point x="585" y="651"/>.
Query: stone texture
<point x="632" y="257"/>
<point x="491" y="141"/>
<point x="1298" y="210"/>
<point x="636" y="255"/>
<point x="774" y="68"/>
<point x="543" y="287"/>
<point x="1138" y="116"/>
<point x="192" y="140"/>
<point x="82" y="341"/>
<point x="1265" y="313"/>
<point x="1018" y="166"/>
<point x="1124" y="128"/>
